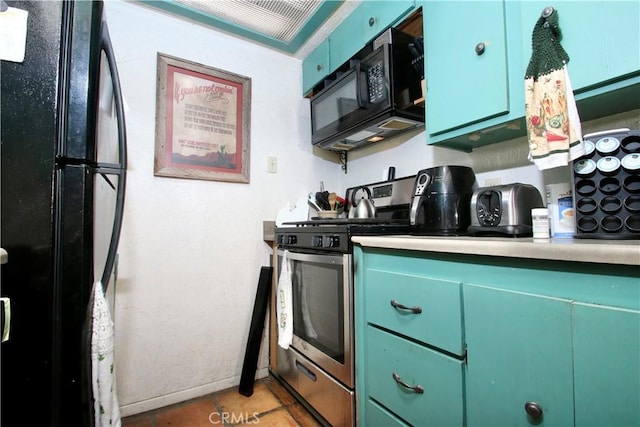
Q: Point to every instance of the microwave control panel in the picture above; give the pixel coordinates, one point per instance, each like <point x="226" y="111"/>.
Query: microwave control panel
<point x="375" y="81"/>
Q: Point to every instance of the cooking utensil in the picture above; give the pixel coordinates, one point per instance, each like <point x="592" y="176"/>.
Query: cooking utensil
<point x="314" y="204"/>
<point x="332" y="201"/>
<point x="322" y="199"/>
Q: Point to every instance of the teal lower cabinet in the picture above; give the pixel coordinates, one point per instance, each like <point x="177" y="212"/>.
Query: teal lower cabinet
<point x="470" y="340"/>
<point x="519" y="354"/>
<point x="606" y="365"/>
<point x="409" y="345"/>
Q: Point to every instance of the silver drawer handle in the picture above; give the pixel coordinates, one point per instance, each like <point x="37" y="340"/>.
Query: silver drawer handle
<point x="397" y="305"/>
<point x="416" y="388"/>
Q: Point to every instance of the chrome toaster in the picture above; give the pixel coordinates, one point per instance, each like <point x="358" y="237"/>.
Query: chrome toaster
<point x="504" y="210"/>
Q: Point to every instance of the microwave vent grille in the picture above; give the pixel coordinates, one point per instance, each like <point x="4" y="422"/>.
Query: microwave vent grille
<point x="396" y="124"/>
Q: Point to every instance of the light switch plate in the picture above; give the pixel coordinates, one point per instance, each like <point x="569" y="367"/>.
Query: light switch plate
<point x="272" y="164"/>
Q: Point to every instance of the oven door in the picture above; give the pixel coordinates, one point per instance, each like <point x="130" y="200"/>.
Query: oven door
<point x="322" y="291"/>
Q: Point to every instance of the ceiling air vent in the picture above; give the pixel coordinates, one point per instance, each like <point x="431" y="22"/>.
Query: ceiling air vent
<point x="278" y="19"/>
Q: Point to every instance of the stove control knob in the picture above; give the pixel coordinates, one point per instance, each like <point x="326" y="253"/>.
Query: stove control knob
<point x="317" y="241"/>
<point x="331" y="241"/>
<point x="291" y="239"/>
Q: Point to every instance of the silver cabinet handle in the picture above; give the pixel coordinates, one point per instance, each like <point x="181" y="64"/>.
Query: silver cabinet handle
<point x="416" y="388"/>
<point x="395" y="304"/>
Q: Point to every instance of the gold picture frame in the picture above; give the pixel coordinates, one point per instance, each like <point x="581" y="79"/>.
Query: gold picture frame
<point x="202" y="122"/>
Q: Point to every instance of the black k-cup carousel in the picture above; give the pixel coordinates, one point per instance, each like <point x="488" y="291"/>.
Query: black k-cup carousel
<point x="606" y="184"/>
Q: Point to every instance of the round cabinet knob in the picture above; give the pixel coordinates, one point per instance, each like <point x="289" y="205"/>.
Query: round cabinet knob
<point x="372" y="21"/>
<point x="480" y="48"/>
<point x="318" y="67"/>
<point x="534" y="410"/>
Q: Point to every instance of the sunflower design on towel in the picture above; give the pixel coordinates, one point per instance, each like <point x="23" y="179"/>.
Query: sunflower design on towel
<point x="553" y="125"/>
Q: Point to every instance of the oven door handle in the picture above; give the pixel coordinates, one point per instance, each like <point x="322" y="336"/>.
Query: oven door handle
<point x="308" y="257"/>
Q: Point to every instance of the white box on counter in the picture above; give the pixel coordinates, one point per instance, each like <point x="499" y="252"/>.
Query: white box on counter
<point x="561" y="211"/>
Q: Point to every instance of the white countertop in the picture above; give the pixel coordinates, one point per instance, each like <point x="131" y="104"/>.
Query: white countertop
<point x="626" y="252"/>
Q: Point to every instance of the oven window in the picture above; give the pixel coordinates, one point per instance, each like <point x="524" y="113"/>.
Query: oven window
<point x="318" y="306"/>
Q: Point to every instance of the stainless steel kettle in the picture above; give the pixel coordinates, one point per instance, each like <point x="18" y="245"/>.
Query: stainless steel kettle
<point x="364" y="208"/>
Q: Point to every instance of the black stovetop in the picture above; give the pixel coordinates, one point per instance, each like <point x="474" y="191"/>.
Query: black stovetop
<point x="314" y="222"/>
<point x="335" y="234"/>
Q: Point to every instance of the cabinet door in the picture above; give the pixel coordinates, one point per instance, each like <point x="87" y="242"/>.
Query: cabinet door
<point x="378" y="15"/>
<point x="518" y="351"/>
<point x="602" y="38"/>
<point x="346" y="39"/>
<point x="315" y="67"/>
<point x="463" y="86"/>
<point x="606" y="365"/>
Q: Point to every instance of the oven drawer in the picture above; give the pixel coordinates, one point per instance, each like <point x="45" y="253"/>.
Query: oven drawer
<point x="440" y="376"/>
<point x="437" y="319"/>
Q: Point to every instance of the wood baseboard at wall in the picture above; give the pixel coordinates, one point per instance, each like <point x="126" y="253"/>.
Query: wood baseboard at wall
<point x="184" y="395"/>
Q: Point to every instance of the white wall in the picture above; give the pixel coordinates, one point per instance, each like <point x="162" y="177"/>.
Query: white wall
<point x="191" y="250"/>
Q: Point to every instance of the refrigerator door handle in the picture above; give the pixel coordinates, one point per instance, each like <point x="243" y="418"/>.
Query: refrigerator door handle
<point x="122" y="141"/>
<point x="6" y="317"/>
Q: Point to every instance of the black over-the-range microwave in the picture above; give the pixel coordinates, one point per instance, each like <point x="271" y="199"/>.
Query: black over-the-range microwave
<point x="376" y="95"/>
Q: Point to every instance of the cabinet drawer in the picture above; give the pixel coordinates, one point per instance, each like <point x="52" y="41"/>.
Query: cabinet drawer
<point x="439" y="375"/>
<point x="377" y="416"/>
<point x="439" y="322"/>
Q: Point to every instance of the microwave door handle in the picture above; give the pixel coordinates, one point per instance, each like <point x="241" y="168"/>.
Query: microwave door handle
<point x="362" y="88"/>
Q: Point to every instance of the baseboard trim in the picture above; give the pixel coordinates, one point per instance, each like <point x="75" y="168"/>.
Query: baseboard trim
<point x="184" y="395"/>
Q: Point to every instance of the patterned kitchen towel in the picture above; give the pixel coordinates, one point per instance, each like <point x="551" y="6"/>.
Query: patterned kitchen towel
<point x="284" y="303"/>
<point x="553" y="125"/>
<point x="107" y="410"/>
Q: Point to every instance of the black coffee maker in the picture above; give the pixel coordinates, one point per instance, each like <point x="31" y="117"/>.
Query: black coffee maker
<point x="441" y="202"/>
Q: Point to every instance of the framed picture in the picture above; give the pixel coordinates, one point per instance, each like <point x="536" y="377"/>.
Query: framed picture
<point x="202" y="122"/>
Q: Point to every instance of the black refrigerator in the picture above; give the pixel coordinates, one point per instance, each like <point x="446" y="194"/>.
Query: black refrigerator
<point x="63" y="163"/>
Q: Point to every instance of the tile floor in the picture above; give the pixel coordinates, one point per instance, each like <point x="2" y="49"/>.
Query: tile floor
<point x="271" y="405"/>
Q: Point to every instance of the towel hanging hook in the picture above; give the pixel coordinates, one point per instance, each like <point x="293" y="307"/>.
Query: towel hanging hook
<point x="547" y="12"/>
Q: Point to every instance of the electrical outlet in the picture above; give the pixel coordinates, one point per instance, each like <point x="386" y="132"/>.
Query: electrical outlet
<point x="272" y="164"/>
<point x="492" y="182"/>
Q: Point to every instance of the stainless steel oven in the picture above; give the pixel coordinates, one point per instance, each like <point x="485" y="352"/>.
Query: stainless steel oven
<point x="319" y="365"/>
<point x="322" y="288"/>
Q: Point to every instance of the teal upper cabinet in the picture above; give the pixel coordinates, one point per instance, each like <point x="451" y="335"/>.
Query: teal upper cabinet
<point x="475" y="100"/>
<point x="379" y="15"/>
<point x="315" y="67"/>
<point x="346" y="39"/>
<point x="602" y="38"/>
<point x="364" y="23"/>
<point x="466" y="63"/>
